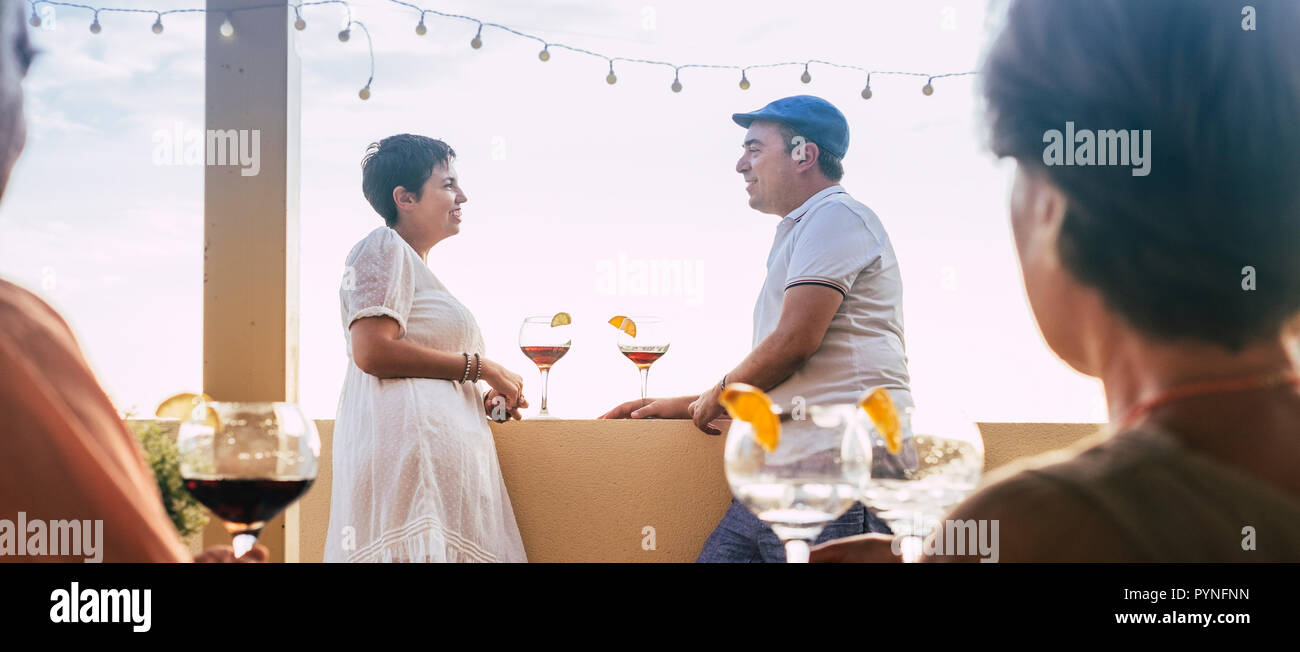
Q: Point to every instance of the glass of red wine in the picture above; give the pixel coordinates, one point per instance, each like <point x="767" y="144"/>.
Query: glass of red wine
<point x="545" y="339"/>
<point x="645" y="344"/>
<point x="247" y="462"/>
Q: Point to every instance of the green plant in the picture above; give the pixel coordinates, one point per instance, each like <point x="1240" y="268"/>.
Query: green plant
<point x="161" y="453"/>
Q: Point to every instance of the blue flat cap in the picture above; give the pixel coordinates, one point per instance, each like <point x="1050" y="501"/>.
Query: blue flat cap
<point x="818" y="120"/>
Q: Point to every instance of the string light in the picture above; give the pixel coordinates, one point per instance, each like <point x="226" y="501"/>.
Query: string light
<point x="227" y="30"/>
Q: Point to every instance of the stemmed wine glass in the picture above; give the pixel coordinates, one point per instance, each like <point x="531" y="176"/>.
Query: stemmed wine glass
<point x="247" y="462"/>
<point x="938" y="464"/>
<point x="545" y="339"/>
<point x="648" y="345"/>
<point x="809" y="480"/>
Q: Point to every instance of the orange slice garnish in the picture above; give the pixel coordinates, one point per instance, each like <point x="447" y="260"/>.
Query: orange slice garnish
<point x="749" y="404"/>
<point x="624" y="324"/>
<point x="561" y="319"/>
<point x="878" y="405"/>
<point x="181" y="406"/>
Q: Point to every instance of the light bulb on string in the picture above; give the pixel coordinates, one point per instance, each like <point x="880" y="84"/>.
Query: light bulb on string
<point x="478" y="38"/>
<point x="227" y="28"/>
<point x="157" y="25"/>
<point x="805" y="77"/>
<point x="928" y="89"/>
<point x="345" y="34"/>
<point x="365" y="92"/>
<point x="298" y="23"/>
<point x="866" y="92"/>
<point x="744" y="81"/>
<point x="421" y="29"/>
<point x="677" y="83"/>
<point x="35" y="20"/>
<point x="611" y="78"/>
<point x="545" y="54"/>
<point x="95" y="27"/>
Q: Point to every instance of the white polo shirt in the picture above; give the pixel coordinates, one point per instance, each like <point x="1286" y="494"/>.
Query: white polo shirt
<point x="837" y="242"/>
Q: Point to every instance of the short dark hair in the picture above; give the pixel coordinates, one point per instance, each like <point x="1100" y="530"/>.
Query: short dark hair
<point x="1168" y="251"/>
<point x="405" y="160"/>
<point x="830" y="165"/>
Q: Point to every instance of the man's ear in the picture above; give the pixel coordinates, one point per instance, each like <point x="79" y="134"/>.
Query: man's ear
<point x="805" y="155"/>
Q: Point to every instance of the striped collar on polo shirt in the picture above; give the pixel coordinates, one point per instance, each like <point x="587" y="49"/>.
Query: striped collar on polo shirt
<point x="798" y="213"/>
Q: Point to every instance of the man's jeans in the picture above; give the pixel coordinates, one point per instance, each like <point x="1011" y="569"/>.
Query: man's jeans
<point x="742" y="538"/>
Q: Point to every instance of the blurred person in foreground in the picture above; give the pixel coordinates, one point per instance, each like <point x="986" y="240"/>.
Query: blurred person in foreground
<point x="1177" y="286"/>
<point x="65" y="454"/>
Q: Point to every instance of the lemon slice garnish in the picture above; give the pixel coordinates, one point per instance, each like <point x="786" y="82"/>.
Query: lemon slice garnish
<point x="561" y="319"/>
<point x="878" y="405"/>
<point x="181" y="406"/>
<point x="624" y="324"/>
<point x="749" y="404"/>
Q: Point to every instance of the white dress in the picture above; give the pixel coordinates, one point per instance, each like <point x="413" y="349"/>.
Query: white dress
<point x="416" y="476"/>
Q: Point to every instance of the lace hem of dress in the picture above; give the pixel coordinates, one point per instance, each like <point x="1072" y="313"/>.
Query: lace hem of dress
<point x="423" y="540"/>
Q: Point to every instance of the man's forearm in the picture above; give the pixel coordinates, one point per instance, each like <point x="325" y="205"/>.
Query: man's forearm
<point x="774" y="360"/>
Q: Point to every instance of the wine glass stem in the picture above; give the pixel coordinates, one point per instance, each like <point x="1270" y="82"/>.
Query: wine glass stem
<point x="243" y="543"/>
<point x="546" y="374"/>
<point x="645" y="381"/>
<point x="797" y="551"/>
<point x="911" y="548"/>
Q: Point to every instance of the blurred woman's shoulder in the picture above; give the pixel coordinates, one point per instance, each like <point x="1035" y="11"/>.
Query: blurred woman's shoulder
<point x="24" y="315"/>
<point x="1138" y="495"/>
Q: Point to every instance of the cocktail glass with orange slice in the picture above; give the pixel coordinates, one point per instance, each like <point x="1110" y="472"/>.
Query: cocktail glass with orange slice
<point x="797" y="472"/>
<point x="643" y="339"/>
<point x="923" y="462"/>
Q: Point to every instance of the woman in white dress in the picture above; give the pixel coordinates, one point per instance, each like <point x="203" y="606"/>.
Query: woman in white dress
<point x="416" y="477"/>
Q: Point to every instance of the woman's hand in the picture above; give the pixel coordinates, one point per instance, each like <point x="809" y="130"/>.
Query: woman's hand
<point x="498" y="409"/>
<point x="507" y="384"/>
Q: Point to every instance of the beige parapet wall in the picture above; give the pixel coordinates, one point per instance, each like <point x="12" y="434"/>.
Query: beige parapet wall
<point x="586" y="491"/>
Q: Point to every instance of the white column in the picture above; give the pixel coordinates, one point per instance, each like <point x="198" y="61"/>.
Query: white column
<point x="250" y="286"/>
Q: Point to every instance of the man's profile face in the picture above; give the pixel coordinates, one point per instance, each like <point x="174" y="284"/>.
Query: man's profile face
<point x="768" y="169"/>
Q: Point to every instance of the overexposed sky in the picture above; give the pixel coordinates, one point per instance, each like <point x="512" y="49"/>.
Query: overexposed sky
<point x="576" y="188"/>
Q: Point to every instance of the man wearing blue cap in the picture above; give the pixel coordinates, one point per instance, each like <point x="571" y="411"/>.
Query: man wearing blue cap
<point x="828" y="323"/>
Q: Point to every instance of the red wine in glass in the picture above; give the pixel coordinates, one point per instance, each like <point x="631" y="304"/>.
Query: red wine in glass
<point x="545" y="356"/>
<point x="246" y="504"/>
<point x="247" y="462"/>
<point x="545" y="339"/>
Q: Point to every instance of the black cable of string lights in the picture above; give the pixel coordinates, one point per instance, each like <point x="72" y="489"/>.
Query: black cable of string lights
<point x="227" y="30"/>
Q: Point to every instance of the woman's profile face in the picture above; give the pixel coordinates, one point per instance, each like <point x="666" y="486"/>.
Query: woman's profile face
<point x="438" y="211"/>
<point x="1063" y="308"/>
